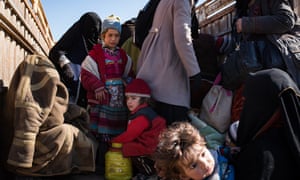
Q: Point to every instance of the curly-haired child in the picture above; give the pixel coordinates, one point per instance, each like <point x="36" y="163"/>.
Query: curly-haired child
<point x="182" y="154"/>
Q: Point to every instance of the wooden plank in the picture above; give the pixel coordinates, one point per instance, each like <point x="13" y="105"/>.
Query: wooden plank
<point x="22" y="32"/>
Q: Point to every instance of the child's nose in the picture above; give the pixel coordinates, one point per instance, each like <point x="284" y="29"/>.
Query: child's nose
<point x="203" y="162"/>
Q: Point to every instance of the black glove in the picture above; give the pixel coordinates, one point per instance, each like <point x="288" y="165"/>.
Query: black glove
<point x="68" y="74"/>
<point x="195" y="83"/>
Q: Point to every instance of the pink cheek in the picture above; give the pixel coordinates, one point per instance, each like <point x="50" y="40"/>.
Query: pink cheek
<point x="128" y="104"/>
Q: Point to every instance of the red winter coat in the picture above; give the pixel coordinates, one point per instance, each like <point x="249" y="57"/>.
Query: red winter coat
<point x="94" y="72"/>
<point x="141" y="136"/>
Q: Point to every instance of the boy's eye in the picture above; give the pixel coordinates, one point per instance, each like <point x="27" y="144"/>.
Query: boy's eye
<point x="193" y="166"/>
<point x="203" y="154"/>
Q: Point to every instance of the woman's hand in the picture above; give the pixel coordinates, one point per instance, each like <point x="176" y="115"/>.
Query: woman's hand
<point x="238" y="25"/>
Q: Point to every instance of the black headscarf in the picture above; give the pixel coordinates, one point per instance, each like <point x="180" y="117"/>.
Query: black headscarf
<point x="241" y="7"/>
<point x="90" y="27"/>
<point x="262" y="90"/>
<point x="78" y="39"/>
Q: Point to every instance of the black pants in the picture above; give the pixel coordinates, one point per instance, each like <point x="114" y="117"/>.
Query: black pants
<point x="170" y="112"/>
<point x="268" y="157"/>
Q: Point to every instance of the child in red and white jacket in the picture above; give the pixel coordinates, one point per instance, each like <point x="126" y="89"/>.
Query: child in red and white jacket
<point x="144" y="126"/>
<point x="104" y="74"/>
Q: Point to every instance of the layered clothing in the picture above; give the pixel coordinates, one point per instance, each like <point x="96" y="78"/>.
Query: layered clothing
<point x="141" y="136"/>
<point x="42" y="144"/>
<point x="108" y="69"/>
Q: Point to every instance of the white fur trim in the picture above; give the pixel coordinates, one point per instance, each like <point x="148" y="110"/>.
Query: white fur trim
<point x="137" y="94"/>
<point x="90" y="65"/>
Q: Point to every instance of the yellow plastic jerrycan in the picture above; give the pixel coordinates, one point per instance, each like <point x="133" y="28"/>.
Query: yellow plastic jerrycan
<point x="117" y="167"/>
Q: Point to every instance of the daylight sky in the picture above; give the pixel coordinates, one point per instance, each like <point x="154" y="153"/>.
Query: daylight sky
<point x="61" y="14"/>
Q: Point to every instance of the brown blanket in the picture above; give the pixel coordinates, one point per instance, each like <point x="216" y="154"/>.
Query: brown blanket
<point x="42" y="144"/>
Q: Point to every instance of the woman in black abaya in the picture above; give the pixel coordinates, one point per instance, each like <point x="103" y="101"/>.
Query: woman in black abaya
<point x="71" y="49"/>
<point x="269" y="128"/>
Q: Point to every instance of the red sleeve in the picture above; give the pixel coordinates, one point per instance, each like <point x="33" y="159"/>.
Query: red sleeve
<point x="89" y="81"/>
<point x="136" y="127"/>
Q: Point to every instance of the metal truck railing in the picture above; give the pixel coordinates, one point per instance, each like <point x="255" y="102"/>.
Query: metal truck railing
<point x="23" y="30"/>
<point x="215" y="16"/>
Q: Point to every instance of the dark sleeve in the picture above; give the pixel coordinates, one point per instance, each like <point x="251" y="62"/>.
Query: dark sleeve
<point x="65" y="43"/>
<point x="278" y="17"/>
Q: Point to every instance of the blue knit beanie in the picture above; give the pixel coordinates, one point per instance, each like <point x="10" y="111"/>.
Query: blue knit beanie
<point x="113" y="22"/>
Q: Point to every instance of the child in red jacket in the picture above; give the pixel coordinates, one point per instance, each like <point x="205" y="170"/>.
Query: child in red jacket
<point x="104" y="73"/>
<point x="141" y="137"/>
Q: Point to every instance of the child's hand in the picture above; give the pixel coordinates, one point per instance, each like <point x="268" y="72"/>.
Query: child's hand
<point x="102" y="96"/>
<point x="160" y="171"/>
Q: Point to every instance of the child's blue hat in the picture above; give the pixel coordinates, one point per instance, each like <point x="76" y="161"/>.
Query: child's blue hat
<point x="111" y="21"/>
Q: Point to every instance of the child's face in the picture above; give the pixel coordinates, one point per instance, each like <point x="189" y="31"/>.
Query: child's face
<point x="132" y="102"/>
<point x="111" y="38"/>
<point x="202" y="167"/>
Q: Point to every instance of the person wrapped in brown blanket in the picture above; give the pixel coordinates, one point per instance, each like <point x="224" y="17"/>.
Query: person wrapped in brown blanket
<point x="41" y="143"/>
